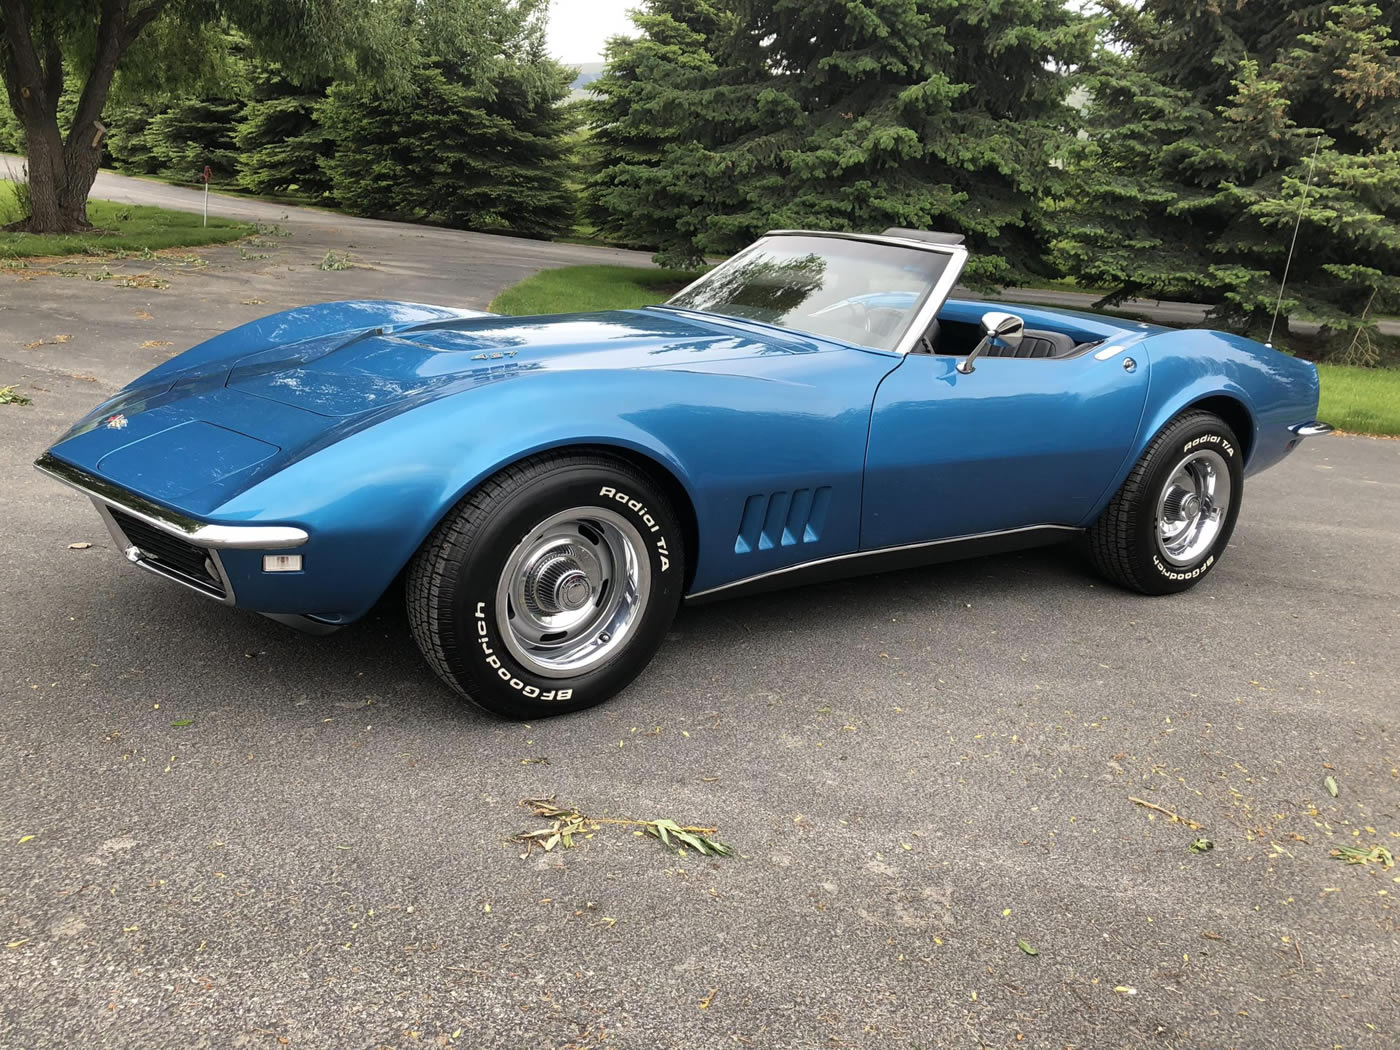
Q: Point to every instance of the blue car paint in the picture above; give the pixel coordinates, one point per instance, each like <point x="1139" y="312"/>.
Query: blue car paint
<point x="788" y="423"/>
<point x="1190" y="366"/>
<point x="1015" y="443"/>
<point x="383" y="415"/>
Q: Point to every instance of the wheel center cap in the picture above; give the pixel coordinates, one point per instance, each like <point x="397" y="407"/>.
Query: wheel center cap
<point x="1191" y="506"/>
<point x="573" y="591"/>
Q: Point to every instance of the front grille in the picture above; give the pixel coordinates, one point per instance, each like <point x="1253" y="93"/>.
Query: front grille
<point x="170" y="555"/>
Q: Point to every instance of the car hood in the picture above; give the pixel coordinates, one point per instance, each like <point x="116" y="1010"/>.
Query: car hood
<point x="195" y="436"/>
<point x="343" y="375"/>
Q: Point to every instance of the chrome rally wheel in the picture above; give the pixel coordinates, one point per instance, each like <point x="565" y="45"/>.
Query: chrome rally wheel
<point x="1171" y="520"/>
<point x="550" y="586"/>
<point x="1192" y="507"/>
<point x="572" y="591"/>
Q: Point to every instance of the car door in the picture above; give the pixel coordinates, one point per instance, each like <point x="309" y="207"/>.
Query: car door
<point x="1018" y="442"/>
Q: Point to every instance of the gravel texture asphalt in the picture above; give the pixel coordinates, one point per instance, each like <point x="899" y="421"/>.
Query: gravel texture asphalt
<point x="215" y="832"/>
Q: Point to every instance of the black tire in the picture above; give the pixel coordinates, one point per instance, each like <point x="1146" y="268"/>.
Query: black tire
<point x="452" y="583"/>
<point x="1125" y="543"/>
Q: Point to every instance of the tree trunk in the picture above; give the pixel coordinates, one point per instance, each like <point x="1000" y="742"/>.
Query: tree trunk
<point x="81" y="159"/>
<point x="61" y="174"/>
<point x="59" y="181"/>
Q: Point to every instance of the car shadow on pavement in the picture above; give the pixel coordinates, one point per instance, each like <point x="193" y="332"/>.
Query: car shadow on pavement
<point x="177" y="646"/>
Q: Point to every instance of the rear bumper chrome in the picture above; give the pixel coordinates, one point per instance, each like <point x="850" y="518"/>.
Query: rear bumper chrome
<point x="191" y="530"/>
<point x="1316" y="428"/>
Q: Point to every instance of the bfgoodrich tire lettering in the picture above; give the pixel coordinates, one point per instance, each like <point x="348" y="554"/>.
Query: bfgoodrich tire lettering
<point x="1169" y="524"/>
<point x="550" y="587"/>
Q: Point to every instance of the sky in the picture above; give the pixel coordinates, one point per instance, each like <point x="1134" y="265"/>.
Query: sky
<point x="578" y="29"/>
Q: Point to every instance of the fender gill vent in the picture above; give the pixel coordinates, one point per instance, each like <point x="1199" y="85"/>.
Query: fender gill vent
<point x="782" y="519"/>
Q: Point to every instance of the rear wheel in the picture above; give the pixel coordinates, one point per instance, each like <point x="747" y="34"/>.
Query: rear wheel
<point x="1172" y="519"/>
<point x="550" y="587"/>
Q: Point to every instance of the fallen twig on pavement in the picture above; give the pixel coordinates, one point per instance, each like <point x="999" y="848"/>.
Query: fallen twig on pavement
<point x="1174" y="816"/>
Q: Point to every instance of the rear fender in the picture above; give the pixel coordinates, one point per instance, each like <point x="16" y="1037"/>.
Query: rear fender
<point x="1193" y="366"/>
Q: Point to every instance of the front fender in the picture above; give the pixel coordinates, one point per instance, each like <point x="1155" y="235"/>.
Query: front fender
<point x="369" y="500"/>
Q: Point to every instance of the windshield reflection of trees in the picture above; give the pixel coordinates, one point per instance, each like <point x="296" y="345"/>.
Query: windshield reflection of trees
<point x="760" y="289"/>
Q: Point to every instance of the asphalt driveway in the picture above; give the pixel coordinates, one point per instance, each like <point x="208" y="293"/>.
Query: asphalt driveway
<point x="915" y="771"/>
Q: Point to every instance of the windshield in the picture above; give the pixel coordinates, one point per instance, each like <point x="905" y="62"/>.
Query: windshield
<point x="860" y="292"/>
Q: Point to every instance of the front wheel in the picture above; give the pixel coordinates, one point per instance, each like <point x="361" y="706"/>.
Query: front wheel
<point x="550" y="587"/>
<point x="1170" y="522"/>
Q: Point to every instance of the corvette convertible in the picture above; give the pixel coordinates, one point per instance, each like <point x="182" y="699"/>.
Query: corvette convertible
<point x="550" y="489"/>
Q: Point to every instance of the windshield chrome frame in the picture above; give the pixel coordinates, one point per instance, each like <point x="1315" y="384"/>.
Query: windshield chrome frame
<point x="923" y="316"/>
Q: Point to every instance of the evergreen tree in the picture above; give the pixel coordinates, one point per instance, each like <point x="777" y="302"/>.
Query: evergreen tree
<point x="458" y="152"/>
<point x="280" y="139"/>
<point x="644" y="133"/>
<point x="194" y="133"/>
<point x="11" y="132"/>
<point x="128" y="145"/>
<point x="88" y="46"/>
<point x="932" y="114"/>
<point x="935" y="114"/>
<point x="1200" y="155"/>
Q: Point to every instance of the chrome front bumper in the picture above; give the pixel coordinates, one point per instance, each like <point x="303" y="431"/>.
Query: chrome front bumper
<point x="1316" y="428"/>
<point x="113" y="502"/>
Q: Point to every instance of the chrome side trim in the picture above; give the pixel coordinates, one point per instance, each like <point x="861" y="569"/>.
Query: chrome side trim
<point x="192" y="530"/>
<point x="1110" y="351"/>
<point x="1316" y="428"/>
<point x="884" y="559"/>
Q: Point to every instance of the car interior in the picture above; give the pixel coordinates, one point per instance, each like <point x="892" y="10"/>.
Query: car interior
<point x="953" y="338"/>
<point x="958" y="336"/>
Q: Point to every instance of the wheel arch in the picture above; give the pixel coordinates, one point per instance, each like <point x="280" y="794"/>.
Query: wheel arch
<point x="1233" y="411"/>
<point x="667" y="481"/>
<point x="645" y="461"/>
<point x="1229" y="405"/>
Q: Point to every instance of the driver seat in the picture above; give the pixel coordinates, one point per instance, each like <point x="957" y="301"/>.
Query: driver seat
<point x="1036" y="343"/>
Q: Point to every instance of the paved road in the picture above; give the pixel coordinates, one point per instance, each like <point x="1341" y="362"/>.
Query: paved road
<point x="111" y="186"/>
<point x="915" y="771"/>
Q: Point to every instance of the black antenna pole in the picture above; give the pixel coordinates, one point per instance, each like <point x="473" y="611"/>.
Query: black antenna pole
<point x="1294" y="243"/>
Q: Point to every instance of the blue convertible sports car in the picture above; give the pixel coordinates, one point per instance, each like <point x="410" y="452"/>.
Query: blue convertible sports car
<point x="551" y="488"/>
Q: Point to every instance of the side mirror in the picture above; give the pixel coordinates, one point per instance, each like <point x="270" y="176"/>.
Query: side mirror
<point x="997" y="327"/>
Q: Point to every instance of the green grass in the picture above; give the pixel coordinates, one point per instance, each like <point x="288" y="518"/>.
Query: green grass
<point x="1361" y="400"/>
<point x="119" y="228"/>
<point x="583" y="288"/>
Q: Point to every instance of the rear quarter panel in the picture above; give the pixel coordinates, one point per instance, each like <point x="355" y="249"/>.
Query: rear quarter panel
<point x="1191" y="366"/>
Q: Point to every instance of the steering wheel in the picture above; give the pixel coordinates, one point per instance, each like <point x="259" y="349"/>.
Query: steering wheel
<point x="864" y="316"/>
<point x="860" y="313"/>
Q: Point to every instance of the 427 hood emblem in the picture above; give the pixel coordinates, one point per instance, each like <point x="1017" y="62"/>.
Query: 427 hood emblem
<point x="494" y="355"/>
